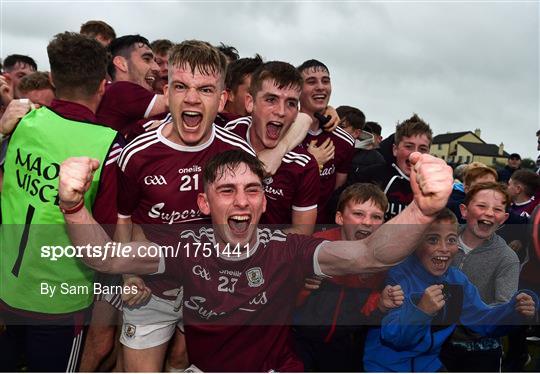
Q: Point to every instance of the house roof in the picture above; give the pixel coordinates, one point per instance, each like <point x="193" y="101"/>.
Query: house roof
<point x="451" y="136"/>
<point x="482" y="149"/>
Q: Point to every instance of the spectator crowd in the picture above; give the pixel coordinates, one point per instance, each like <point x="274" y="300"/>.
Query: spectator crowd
<point x="173" y="206"/>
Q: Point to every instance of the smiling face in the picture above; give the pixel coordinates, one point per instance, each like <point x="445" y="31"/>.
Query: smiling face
<point x="163" y="65"/>
<point x="438" y="247"/>
<point x="316" y="90"/>
<point x="406" y="146"/>
<point x="484" y="213"/>
<point x="235" y="201"/>
<point x="359" y="220"/>
<point x="142" y="69"/>
<point x="194" y="101"/>
<point x="273" y="111"/>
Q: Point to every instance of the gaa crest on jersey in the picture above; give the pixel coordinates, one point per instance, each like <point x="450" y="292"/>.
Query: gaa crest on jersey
<point x="268" y="180"/>
<point x="255" y="277"/>
<point x="129" y="330"/>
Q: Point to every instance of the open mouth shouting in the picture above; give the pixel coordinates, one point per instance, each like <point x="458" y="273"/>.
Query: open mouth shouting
<point x="485" y="226"/>
<point x="273" y="129"/>
<point x="362" y="234"/>
<point x="191" y="119"/>
<point x="440" y="263"/>
<point x="239" y="224"/>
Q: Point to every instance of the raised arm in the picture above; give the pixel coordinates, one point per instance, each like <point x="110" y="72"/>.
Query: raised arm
<point x="75" y="178"/>
<point x="431" y="183"/>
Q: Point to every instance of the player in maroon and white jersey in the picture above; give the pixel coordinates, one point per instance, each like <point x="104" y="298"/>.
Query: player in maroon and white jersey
<point x="293" y="191"/>
<point x="233" y="310"/>
<point x="130" y="97"/>
<point x="314" y="99"/>
<point x="160" y="178"/>
<point x="237" y="82"/>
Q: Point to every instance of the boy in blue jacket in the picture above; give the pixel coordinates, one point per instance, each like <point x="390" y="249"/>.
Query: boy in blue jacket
<point x="437" y="297"/>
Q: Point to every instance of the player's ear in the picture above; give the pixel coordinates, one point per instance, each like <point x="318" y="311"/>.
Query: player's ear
<point x="222" y="101"/>
<point x="202" y="202"/>
<point x="120" y="63"/>
<point x="463" y="210"/>
<point x="249" y="103"/>
<point x="394" y="150"/>
<point x="339" y="218"/>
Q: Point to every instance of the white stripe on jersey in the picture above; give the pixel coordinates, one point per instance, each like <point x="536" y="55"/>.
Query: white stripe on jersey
<point x="233" y="139"/>
<point x="304" y="208"/>
<point x="298" y="158"/>
<point x="142" y="145"/>
<point x="114" y="154"/>
<point x="239" y="121"/>
<point x="135" y="142"/>
<point x="339" y="132"/>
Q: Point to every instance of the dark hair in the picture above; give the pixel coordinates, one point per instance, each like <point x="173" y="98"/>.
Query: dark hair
<point x="239" y="69"/>
<point x="411" y="127"/>
<point x="123" y="46"/>
<point x="12" y="60"/>
<point x="161" y="46"/>
<point x="218" y="165"/>
<point x="78" y="65"/>
<point x="35" y="81"/>
<point x="282" y="73"/>
<point x="354" y="116"/>
<point x="373" y="128"/>
<point x="515" y="156"/>
<point x="312" y="64"/>
<point x="229" y="51"/>
<point x="198" y="55"/>
<point x="495" y="186"/>
<point x="94" y="28"/>
<point x="530" y="181"/>
<point x="360" y="193"/>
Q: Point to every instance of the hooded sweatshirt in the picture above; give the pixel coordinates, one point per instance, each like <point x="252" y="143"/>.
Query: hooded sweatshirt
<point x="410" y="340"/>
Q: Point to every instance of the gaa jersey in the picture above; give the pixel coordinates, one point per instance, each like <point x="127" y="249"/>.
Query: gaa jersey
<point x="237" y="309"/>
<point x="294" y="186"/>
<point x="524" y="209"/>
<point x="394" y="183"/>
<point x="341" y="163"/>
<point x="123" y="105"/>
<point x="159" y="181"/>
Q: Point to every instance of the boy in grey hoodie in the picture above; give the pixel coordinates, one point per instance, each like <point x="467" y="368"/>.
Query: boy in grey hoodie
<point x="491" y="266"/>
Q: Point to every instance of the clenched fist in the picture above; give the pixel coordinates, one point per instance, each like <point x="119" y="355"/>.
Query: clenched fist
<point x="525" y="305"/>
<point x="432" y="300"/>
<point x="431" y="182"/>
<point x="76" y="174"/>
<point x="391" y="297"/>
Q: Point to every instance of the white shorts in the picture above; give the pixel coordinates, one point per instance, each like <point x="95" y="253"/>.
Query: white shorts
<point x="152" y="324"/>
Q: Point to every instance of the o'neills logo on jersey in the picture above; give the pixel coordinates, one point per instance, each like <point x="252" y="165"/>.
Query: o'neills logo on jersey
<point x="273" y="191"/>
<point x="268" y="180"/>
<point x="328" y="171"/>
<point x="193" y="169"/>
<point x="37" y="177"/>
<point x="173" y="216"/>
<point x="155" y="180"/>
<point x="255" y="277"/>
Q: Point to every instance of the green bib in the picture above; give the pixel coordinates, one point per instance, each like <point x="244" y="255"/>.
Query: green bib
<point x="32" y="221"/>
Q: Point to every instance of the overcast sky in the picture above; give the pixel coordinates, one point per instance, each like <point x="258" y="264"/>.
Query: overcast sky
<point x="460" y="65"/>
